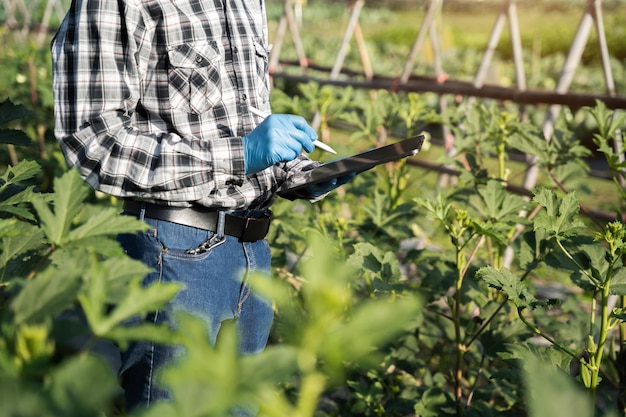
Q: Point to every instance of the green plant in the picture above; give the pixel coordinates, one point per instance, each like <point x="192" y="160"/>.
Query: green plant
<point x="465" y="350"/>
<point x="59" y="256"/>
<point x="63" y="276"/>
<point x="557" y="240"/>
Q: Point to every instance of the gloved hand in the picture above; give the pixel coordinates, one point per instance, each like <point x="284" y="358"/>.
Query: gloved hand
<point x="317" y="190"/>
<point x="279" y="138"/>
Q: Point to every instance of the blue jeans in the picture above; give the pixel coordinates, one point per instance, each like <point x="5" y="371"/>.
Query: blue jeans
<point x="215" y="288"/>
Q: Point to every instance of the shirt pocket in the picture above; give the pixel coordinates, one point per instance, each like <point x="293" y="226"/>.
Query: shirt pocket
<point x="262" y="70"/>
<point x="194" y="81"/>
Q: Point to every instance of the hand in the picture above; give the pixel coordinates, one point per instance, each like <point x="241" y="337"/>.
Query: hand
<point x="279" y="138"/>
<point x="317" y="190"/>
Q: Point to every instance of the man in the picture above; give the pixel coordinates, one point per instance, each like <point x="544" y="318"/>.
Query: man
<point x="152" y="102"/>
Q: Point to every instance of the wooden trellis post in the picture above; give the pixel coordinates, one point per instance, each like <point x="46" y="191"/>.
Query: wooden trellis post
<point x="13" y="7"/>
<point x="428" y="27"/>
<point x="509" y="10"/>
<point x="353" y="30"/>
<point x="287" y="20"/>
<point x="19" y="17"/>
<point x="57" y="7"/>
<point x="591" y="15"/>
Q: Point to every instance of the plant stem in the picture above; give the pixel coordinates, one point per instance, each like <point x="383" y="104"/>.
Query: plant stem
<point x="604" y="330"/>
<point x="501" y="161"/>
<point x="622" y="325"/>
<point x="41" y="262"/>
<point x="472" y="255"/>
<point x="311" y="388"/>
<point x="579" y="266"/>
<point x="478" y="374"/>
<point x="540" y="333"/>
<point x="486" y="323"/>
<point x="460" y="347"/>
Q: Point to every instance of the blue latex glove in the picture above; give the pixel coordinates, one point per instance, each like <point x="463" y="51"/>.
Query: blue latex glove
<point x="317" y="190"/>
<point x="279" y="138"/>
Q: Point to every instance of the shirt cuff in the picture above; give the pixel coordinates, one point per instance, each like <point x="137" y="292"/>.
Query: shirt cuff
<point x="232" y="166"/>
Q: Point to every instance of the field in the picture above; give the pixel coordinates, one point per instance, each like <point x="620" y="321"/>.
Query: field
<point x="435" y="286"/>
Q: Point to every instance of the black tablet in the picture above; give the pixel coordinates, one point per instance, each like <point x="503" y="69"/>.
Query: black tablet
<point x="356" y="163"/>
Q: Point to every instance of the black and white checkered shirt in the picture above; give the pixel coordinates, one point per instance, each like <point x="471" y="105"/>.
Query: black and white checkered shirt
<point x="151" y="99"/>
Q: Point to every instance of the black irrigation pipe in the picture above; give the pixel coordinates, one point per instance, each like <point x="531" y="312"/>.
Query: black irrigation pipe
<point x="430" y="84"/>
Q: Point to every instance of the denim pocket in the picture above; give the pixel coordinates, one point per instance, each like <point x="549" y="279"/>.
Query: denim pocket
<point x="194" y="81"/>
<point x="197" y="247"/>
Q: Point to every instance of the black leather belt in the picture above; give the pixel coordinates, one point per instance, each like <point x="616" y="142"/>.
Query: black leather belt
<point x="247" y="229"/>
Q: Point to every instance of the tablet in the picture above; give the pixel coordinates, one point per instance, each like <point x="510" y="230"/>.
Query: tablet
<point x="355" y="163"/>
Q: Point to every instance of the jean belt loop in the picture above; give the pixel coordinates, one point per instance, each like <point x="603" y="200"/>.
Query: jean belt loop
<point x="142" y="212"/>
<point x="221" y="221"/>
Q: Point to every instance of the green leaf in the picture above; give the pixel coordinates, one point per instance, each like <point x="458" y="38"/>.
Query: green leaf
<point x="608" y="121"/>
<point x="372" y="323"/>
<point x="23" y="237"/>
<point x="552" y="393"/>
<point x="73" y="391"/>
<point x="221" y="373"/>
<point x="16" y="174"/>
<point x="104" y="246"/>
<point x="8" y="203"/>
<point x="497" y="231"/>
<point x="10" y="111"/>
<point x="25" y="195"/>
<point x="20" y="398"/>
<point x="559" y="218"/>
<point x="137" y="301"/>
<point x="18" y="212"/>
<point x="206" y="372"/>
<point x="504" y="280"/>
<point x="531" y="145"/>
<point x="70" y="192"/>
<point x="123" y="335"/>
<point x="590" y="267"/>
<point x="384" y="265"/>
<point x="533" y="249"/>
<point x="618" y="282"/>
<point x="121" y="271"/>
<point x="440" y="209"/>
<point x="106" y="222"/>
<point x="14" y="137"/>
<point x="433" y="401"/>
<point x="45" y="296"/>
<point x="498" y="202"/>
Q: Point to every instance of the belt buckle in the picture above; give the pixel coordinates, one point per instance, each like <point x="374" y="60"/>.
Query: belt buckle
<point x="250" y="232"/>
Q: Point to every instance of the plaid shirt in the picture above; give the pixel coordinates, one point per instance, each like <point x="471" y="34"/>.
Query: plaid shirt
<point x="151" y="99"/>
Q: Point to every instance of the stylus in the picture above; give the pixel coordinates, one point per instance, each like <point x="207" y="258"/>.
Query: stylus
<point x="317" y="143"/>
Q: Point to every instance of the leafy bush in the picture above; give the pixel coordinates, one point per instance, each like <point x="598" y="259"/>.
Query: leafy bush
<point x="67" y="284"/>
<point x="468" y="354"/>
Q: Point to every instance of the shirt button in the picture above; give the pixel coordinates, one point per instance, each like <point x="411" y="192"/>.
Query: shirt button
<point x="198" y="59"/>
<point x="244" y="97"/>
<point x="235" y="50"/>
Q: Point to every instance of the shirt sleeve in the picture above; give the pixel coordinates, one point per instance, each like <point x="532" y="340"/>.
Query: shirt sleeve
<point x="98" y="59"/>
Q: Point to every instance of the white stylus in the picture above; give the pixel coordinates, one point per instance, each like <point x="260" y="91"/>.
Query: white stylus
<point x="317" y="143"/>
